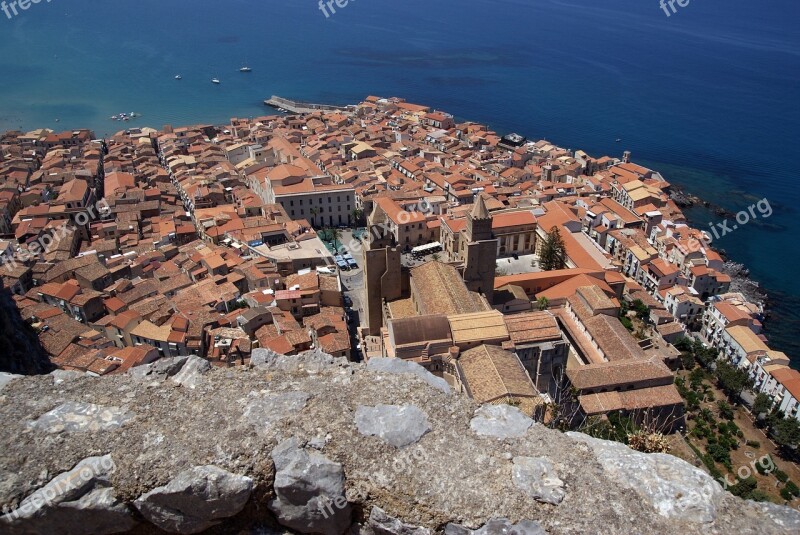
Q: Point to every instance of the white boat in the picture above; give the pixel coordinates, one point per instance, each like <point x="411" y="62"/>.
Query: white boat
<point x="245" y="69"/>
<point x="214" y="81"/>
<point x="178" y="76"/>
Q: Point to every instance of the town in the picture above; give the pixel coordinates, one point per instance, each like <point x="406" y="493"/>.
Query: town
<point x="567" y="285"/>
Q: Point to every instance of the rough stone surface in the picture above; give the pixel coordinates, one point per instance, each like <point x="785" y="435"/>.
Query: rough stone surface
<point x="62" y="376"/>
<point x="674" y="488"/>
<point x="191" y="373"/>
<point x="309" y="490"/>
<point x="158" y="370"/>
<point x="6" y="378"/>
<point x="500" y="421"/>
<point x="498" y="526"/>
<point x="536" y="477"/>
<point x="380" y="523"/>
<point x="264" y="410"/>
<point x="398" y="425"/>
<point x="80" y="501"/>
<point x="404" y="366"/>
<point x="262" y="357"/>
<point x="77" y="417"/>
<point x="196" y="499"/>
<point x="452" y="475"/>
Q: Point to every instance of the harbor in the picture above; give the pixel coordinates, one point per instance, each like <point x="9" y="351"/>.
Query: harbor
<point x="298" y="106"/>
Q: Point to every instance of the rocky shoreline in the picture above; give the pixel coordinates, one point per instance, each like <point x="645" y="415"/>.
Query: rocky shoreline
<point x="740" y="275"/>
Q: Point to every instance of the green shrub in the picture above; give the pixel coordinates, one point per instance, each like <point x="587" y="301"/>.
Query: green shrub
<point x="786" y="494"/>
<point x="763" y="470"/>
<point x="720" y="453"/>
<point x="781" y="475"/>
<point x="793" y="489"/>
<point x="744" y="488"/>
<point x="753" y="444"/>
<point x="758" y="495"/>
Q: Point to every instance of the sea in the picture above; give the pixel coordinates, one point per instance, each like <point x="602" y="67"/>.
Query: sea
<point x="708" y="94"/>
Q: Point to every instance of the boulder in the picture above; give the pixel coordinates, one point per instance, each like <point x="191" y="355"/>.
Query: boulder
<point x="398" y="425"/>
<point x="500" y="421"/>
<point x="195" y="500"/>
<point x="673" y="487"/>
<point x="536" y="477"/>
<point x="380" y="523"/>
<point x="309" y="491"/>
<point x="79" y="417"/>
<point x="78" y="502"/>
<point x="191" y="372"/>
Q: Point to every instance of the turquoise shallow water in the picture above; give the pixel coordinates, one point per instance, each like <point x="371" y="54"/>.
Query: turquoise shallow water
<point x="708" y="95"/>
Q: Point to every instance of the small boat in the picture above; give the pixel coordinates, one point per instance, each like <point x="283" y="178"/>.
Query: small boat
<point x="178" y="77"/>
<point x="245" y="69"/>
<point x="114" y="117"/>
<point x="214" y="81"/>
<point x="619" y="139"/>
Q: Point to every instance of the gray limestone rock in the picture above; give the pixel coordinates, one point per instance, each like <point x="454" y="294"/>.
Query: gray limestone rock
<point x="311" y="362"/>
<point x="62" y="376"/>
<point x="536" y="477"/>
<point x="785" y="517"/>
<point x="196" y="499"/>
<point x="500" y="421"/>
<point x="6" y="378"/>
<point x="158" y="370"/>
<point x="380" y="523"/>
<point x="264" y="411"/>
<point x="262" y="357"/>
<point x="80" y="501"/>
<point x="498" y="526"/>
<point x="309" y="490"/>
<point x="77" y="417"/>
<point x="398" y="425"/>
<point x="391" y="365"/>
<point x="673" y="487"/>
<point x="191" y="372"/>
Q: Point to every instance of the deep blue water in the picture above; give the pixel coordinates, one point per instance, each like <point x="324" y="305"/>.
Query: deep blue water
<point x="709" y="95"/>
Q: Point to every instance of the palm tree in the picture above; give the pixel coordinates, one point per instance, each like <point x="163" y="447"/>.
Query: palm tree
<point x="335" y="235"/>
<point x="358" y="213"/>
<point x="314" y="213"/>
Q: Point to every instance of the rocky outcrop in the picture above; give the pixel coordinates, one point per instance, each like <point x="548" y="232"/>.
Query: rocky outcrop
<point x="20" y="349"/>
<point x="313" y="444"/>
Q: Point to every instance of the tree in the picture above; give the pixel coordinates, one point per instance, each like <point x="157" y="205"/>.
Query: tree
<point x="725" y="410"/>
<point x="642" y="310"/>
<point x="542" y="303"/>
<point x="762" y="404"/>
<point x="554" y="252"/>
<point x="357" y="214"/>
<point x="786" y="432"/>
<point x="336" y="235"/>
<point x="314" y="213"/>
<point x="731" y="379"/>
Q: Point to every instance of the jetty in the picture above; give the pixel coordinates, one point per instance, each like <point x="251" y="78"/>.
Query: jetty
<point x="297" y="106"/>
